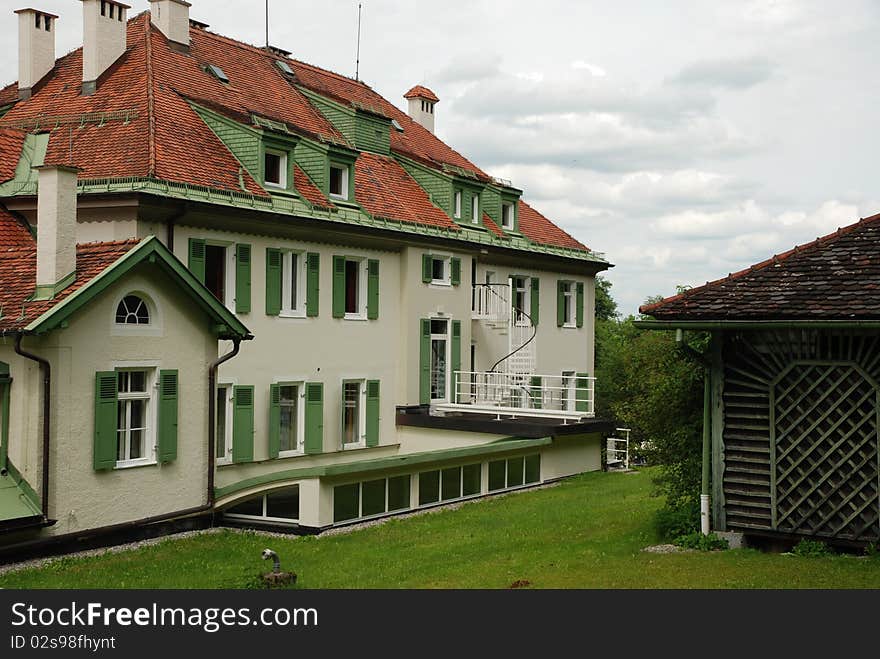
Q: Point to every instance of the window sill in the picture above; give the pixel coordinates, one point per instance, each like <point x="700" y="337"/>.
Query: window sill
<point x="225" y="462"/>
<point x="569" y="326"/>
<point x="292" y="314"/>
<point x="283" y="455"/>
<point x="282" y="192"/>
<point x="440" y="283"/>
<point x="354" y="316"/>
<point x="134" y="464"/>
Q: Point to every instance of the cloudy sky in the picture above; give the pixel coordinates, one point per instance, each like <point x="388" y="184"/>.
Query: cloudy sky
<point x="684" y="139"/>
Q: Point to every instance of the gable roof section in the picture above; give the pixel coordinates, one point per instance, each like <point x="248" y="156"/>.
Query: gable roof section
<point x="836" y="277"/>
<point x="98" y="265"/>
<point x="539" y="229"/>
<point x="11" y="142"/>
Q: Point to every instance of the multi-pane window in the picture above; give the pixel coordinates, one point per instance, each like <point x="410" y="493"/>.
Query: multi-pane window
<point x="275" y="168"/>
<point x="339" y="182"/>
<point x="352" y="413"/>
<point x="568" y="301"/>
<point x="278" y="506"/>
<point x="132" y="311"/>
<point x="475" y="209"/>
<point x="507" y="220"/>
<point x="216" y="271"/>
<point x="457" y="210"/>
<point x="521" y="299"/>
<point x="223" y="425"/>
<point x="439" y="358"/>
<point x="133" y="431"/>
<point x="289" y="435"/>
<point x="293" y="284"/>
<point x="352" y="287"/>
<point x="440" y="270"/>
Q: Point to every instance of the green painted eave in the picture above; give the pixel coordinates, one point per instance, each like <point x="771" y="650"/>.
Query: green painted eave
<point x="755" y="324"/>
<point x="17" y="499"/>
<point x="383" y="464"/>
<point x="150" y="249"/>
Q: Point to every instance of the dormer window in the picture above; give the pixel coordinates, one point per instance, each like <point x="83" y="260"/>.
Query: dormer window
<point x="339" y="181"/>
<point x="457" y="211"/>
<point x="475" y="209"/>
<point x="275" y="168"/>
<point x="507" y="216"/>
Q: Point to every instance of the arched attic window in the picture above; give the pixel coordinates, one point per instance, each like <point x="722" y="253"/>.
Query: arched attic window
<point x="132" y="310"/>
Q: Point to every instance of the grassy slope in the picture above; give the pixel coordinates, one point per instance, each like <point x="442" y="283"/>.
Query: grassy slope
<point x="585" y="533"/>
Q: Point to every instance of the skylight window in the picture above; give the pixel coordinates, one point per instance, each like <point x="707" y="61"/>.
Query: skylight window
<point x="284" y="66"/>
<point x="217" y="72"/>
<point x="397" y="126"/>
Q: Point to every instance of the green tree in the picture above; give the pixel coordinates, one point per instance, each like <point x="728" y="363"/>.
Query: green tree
<point x="606" y="307"/>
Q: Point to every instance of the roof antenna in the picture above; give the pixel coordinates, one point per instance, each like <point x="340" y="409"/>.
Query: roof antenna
<point x="357" y="66"/>
<point x="267" y="23"/>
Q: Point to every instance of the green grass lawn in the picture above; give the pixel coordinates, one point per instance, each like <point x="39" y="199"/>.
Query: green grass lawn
<point x="585" y="533"/>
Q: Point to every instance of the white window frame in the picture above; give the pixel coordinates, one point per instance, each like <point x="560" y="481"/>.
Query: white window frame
<point x="447" y="337"/>
<point x="508" y="213"/>
<point x="527" y="297"/>
<point x="156" y="324"/>
<point x="457" y="203"/>
<point x="228" y="408"/>
<point x="300" y="430"/>
<point x="287" y="310"/>
<point x="475" y="209"/>
<point x="363" y="276"/>
<point x="568" y="292"/>
<point x="345" y="182"/>
<point x="362" y="414"/>
<point x="151" y="416"/>
<point x="282" y="183"/>
<point x="446" y="280"/>
<point x="229" y="274"/>
<point x="264" y="517"/>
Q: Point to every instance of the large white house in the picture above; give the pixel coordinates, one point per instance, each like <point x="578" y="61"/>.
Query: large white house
<point x="290" y="303"/>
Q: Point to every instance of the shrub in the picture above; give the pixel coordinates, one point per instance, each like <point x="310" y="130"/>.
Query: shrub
<point x="674" y="521"/>
<point x="702" y="542"/>
<point x="811" y="548"/>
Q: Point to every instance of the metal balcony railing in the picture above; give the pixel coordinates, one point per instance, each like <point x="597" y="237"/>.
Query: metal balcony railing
<point x="569" y="398"/>
<point x="491" y="302"/>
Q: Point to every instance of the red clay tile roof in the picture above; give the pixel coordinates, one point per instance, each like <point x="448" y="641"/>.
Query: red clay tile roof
<point x="376" y="175"/>
<point x="11" y="142"/>
<point x="306" y="187"/>
<point x="13" y="232"/>
<point x="18" y="273"/>
<point x="422" y="92"/>
<point x="836" y="277"/>
<point x="539" y="229"/>
<point x="494" y="228"/>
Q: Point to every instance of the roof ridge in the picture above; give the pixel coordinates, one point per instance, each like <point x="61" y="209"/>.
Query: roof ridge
<point x="761" y="265"/>
<point x="340" y="76"/>
<point x="151" y="110"/>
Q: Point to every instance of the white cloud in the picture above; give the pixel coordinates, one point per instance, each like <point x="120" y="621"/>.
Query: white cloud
<point x="594" y="69"/>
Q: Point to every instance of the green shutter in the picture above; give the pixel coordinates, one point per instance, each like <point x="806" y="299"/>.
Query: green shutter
<point x="168" y="394"/>
<point x="197" y="258"/>
<point x="314" y="441"/>
<point x="339" y="287"/>
<point x="105" y="420"/>
<point x="535" y="309"/>
<point x="582" y="392"/>
<point x="455" y="358"/>
<point x="313" y="273"/>
<point x="274" y="260"/>
<point x="560" y="303"/>
<point x="242" y="278"/>
<point x="372" y="413"/>
<point x="372" y="289"/>
<point x="274" y="420"/>
<point x="243" y="425"/>
<point x="536" y="393"/>
<point x="427" y="269"/>
<point x="456" y="271"/>
<point x="580" y="304"/>
<point x="425" y="362"/>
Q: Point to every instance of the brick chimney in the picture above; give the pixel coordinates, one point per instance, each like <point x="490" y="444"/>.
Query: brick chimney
<point x="421" y="106"/>
<point x="36" y="48"/>
<point x="172" y="19"/>
<point x="56" y="229"/>
<point x="104" y="39"/>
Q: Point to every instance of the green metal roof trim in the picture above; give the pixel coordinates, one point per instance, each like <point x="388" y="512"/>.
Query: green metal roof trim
<point x="379" y="464"/>
<point x="16" y="502"/>
<point x="152" y="249"/>
<point x="755" y="324"/>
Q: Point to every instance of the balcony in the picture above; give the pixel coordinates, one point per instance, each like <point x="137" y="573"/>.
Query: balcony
<point x="491" y="303"/>
<point x="513" y="395"/>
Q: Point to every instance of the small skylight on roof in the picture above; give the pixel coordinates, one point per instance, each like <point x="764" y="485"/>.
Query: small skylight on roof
<point x="217" y="72"/>
<point x="284" y="66"/>
<point x="397" y="126"/>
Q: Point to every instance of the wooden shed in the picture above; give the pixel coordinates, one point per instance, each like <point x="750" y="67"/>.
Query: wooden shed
<point x="794" y="378"/>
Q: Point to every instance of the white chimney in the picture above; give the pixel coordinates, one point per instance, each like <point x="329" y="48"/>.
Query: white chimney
<point x="36" y="48"/>
<point x="172" y="19"/>
<point x="104" y="39"/>
<point x="421" y="106"/>
<point x="56" y="229"/>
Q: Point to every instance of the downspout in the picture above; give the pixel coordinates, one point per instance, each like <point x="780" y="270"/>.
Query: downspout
<point x="705" y="500"/>
<point x="46" y="369"/>
<point x="212" y="414"/>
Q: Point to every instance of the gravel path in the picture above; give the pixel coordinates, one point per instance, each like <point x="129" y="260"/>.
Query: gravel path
<point x="133" y="546"/>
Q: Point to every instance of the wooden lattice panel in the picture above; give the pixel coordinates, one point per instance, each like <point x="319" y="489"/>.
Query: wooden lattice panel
<point x="824" y="452"/>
